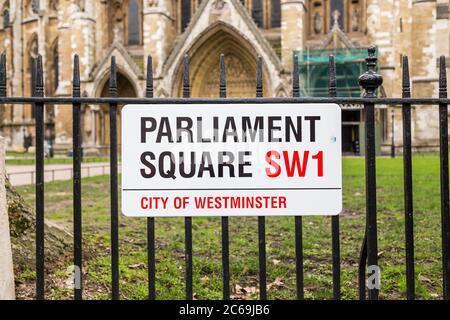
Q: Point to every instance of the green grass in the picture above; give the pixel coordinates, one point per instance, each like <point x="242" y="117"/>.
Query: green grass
<point x="31" y="160"/>
<point x="244" y="242"/>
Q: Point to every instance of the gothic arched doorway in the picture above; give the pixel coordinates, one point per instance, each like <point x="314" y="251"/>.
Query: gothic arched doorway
<point x="96" y="119"/>
<point x="240" y="65"/>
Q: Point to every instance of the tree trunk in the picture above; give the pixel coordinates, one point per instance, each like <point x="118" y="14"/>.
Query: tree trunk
<point x="22" y="221"/>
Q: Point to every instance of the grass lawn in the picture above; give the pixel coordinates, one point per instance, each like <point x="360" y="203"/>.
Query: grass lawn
<point x="66" y="160"/>
<point x="244" y="243"/>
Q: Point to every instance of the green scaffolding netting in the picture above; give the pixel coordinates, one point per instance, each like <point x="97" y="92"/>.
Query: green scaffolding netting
<point x="313" y="69"/>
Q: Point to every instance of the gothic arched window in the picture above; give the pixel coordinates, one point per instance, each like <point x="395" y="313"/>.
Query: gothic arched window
<point x="257" y="13"/>
<point x="275" y="14"/>
<point x="185" y="14"/>
<point x="134" y="23"/>
<point x="55" y="66"/>
<point x="265" y="13"/>
<point x="6" y="18"/>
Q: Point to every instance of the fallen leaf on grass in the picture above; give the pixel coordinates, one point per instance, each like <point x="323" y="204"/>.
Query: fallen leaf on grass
<point x="278" y="282"/>
<point x="247" y="291"/>
<point x="425" y="279"/>
<point x="137" y="266"/>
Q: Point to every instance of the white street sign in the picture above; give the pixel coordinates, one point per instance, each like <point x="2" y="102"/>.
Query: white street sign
<point x="231" y="160"/>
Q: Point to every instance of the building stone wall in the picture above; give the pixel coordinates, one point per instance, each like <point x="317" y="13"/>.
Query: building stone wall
<point x="292" y="29"/>
<point x="425" y="76"/>
<point x="98" y="29"/>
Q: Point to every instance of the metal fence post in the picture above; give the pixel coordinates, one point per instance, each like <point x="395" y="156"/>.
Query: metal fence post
<point x="261" y="220"/>
<point x="225" y="224"/>
<point x="370" y="81"/>
<point x="150" y="221"/>
<point x="77" y="154"/>
<point x="408" y="183"/>
<point x="335" y="242"/>
<point x="298" y="220"/>
<point x="38" y="91"/>
<point x="445" y="205"/>
<point x="188" y="220"/>
<point x="113" y="183"/>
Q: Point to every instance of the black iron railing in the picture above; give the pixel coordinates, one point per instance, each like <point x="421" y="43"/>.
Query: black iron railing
<point x="370" y="81"/>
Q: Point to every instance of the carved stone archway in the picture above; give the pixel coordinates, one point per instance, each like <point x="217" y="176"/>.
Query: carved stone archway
<point x="95" y="119"/>
<point x="240" y="65"/>
<point x="241" y="77"/>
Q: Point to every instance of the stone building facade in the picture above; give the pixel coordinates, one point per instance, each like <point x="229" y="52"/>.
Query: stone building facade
<point x="240" y="29"/>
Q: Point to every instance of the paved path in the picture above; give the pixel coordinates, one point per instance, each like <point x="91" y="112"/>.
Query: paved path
<point x="20" y="175"/>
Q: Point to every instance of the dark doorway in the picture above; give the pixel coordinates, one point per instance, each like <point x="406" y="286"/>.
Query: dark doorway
<point x="350" y="131"/>
<point x="350" y="139"/>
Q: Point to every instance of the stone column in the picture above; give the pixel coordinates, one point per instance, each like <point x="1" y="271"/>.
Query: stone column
<point x="76" y="37"/>
<point x="66" y="38"/>
<point x="292" y="30"/>
<point x="18" y="72"/>
<point x="425" y="43"/>
<point x="6" y="263"/>
<point x="382" y="19"/>
<point x="158" y="31"/>
<point x="389" y="29"/>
